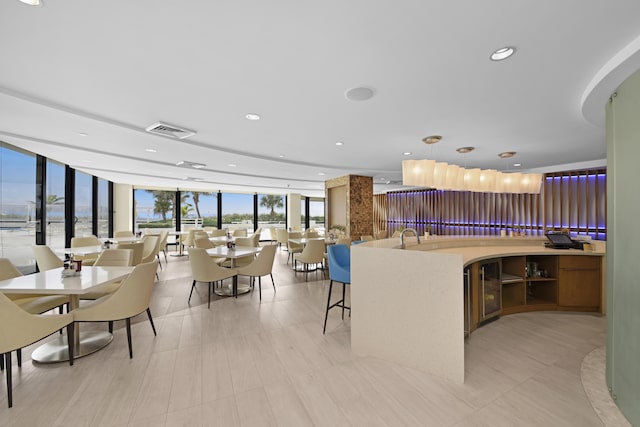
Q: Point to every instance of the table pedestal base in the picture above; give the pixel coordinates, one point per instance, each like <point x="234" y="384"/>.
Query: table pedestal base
<point x="227" y="290"/>
<point x="57" y="350"/>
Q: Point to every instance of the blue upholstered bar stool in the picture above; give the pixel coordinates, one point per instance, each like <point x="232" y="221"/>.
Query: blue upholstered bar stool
<point x="339" y="271"/>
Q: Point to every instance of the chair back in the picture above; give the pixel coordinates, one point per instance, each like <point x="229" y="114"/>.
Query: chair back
<point x="115" y="258"/>
<point x="199" y="234"/>
<point x="367" y="237"/>
<point x="240" y="232"/>
<point x="32" y="327"/>
<point x="205" y="269"/>
<point x="218" y="233"/>
<point x="339" y="258"/>
<point x="123" y="233"/>
<point x="77" y="242"/>
<point x="149" y="249"/>
<point x="262" y="264"/>
<point x="8" y="270"/>
<point x="164" y="235"/>
<point x="282" y="235"/>
<point x="313" y="252"/>
<point x="188" y="239"/>
<point x="311" y="234"/>
<point x="45" y="258"/>
<point x="204" y="243"/>
<point x="137" y="248"/>
<point x="132" y="297"/>
<point x="244" y="241"/>
<point x="295" y="234"/>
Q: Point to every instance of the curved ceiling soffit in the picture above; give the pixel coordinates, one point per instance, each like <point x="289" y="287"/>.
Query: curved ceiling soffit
<point x="192" y="141"/>
<point x="606" y="81"/>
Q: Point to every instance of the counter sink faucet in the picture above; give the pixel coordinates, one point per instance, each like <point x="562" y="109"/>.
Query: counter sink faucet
<point x="402" y="246"/>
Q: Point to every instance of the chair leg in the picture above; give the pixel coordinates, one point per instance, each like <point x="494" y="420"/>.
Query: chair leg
<point x="326" y="315"/>
<point x="19" y="356"/>
<point x="151" y="321"/>
<point x="344" y="287"/>
<point x="70" y="344"/>
<point x="273" y="283"/>
<point x="2" y="362"/>
<point x="193" y="285"/>
<point x="159" y="262"/>
<point x="260" y="287"/>
<point x="164" y="251"/>
<point x="111" y="326"/>
<point x="209" y="285"/>
<point x="128" y="322"/>
<point x="7" y="357"/>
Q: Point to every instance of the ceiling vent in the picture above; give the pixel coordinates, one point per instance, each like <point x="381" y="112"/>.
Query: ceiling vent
<point x="171" y="131"/>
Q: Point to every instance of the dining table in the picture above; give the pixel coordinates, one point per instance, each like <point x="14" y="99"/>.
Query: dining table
<point x="80" y="250"/>
<point x="52" y="282"/>
<point x="233" y="254"/>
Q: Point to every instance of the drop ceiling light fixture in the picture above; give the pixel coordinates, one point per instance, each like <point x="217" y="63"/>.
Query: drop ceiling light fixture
<point x="339" y="143"/>
<point x="433" y="139"/>
<point x="465" y="150"/>
<point x="252" y="116"/>
<point x="406" y="153"/>
<point x="32" y="2"/>
<point x="502" y="53"/>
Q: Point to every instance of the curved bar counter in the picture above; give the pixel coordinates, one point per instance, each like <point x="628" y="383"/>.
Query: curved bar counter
<point x="415" y="306"/>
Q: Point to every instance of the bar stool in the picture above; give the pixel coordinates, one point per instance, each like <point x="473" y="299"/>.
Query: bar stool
<point x="339" y="271"/>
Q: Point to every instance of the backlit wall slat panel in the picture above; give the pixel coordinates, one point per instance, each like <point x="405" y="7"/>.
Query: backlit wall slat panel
<point x="574" y="201"/>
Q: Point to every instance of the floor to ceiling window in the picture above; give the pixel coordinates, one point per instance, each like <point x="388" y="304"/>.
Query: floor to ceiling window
<point x="237" y="211"/>
<point x="55" y="202"/>
<point x="83" y="205"/>
<point x="271" y="213"/>
<point x="316" y="213"/>
<point x="17" y="206"/>
<point x="199" y="208"/>
<point x="154" y="209"/>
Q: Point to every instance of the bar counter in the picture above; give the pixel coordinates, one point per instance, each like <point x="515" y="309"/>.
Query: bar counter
<point x="408" y="305"/>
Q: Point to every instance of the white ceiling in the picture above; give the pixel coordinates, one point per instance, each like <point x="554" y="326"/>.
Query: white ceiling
<point x="109" y="69"/>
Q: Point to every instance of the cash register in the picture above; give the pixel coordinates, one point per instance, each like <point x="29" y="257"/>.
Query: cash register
<point x="562" y="241"/>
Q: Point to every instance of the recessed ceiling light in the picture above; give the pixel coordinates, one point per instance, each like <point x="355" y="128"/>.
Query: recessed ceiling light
<point x="151" y="150"/>
<point x="232" y="165"/>
<point x="359" y="93"/>
<point x="406" y="153"/>
<point x="281" y="156"/>
<point x="198" y="165"/>
<point x="517" y="165"/>
<point x="32" y="2"/>
<point x="180" y="163"/>
<point x="507" y="154"/>
<point x="321" y="173"/>
<point x="339" y="143"/>
<point x="83" y="134"/>
<point x="252" y="116"/>
<point x="431" y="139"/>
<point x="502" y="53"/>
<point x="463" y="150"/>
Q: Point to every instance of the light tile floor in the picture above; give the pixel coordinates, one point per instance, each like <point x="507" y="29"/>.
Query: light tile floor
<point x="250" y="363"/>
